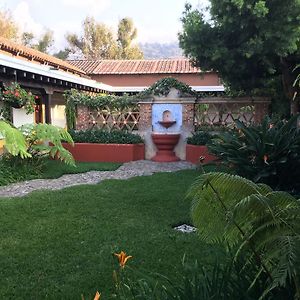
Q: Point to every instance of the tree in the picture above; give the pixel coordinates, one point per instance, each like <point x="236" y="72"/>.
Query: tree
<point x="126" y="34"/>
<point x="248" y="42"/>
<point x="62" y="54"/>
<point x="97" y="41"/>
<point x="43" y="44"/>
<point x="8" y="28"/>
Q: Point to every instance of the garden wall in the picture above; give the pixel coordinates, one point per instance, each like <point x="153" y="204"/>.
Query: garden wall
<point x="216" y="111"/>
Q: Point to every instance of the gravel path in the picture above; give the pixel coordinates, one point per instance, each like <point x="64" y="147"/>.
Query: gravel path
<point x="127" y="170"/>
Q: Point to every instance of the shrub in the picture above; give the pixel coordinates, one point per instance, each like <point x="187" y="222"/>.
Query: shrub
<point x="105" y="137"/>
<point x="269" y="152"/>
<point x="199" y="138"/>
<point x="17" y="97"/>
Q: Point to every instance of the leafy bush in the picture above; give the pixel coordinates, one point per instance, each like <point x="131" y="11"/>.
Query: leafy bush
<point x="261" y="224"/>
<point x="16" y="96"/>
<point x="199" y="138"/>
<point x="105" y="137"/>
<point x="269" y="152"/>
<point x="36" y="140"/>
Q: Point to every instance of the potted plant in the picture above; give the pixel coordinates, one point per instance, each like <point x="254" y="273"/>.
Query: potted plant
<point x="196" y="147"/>
<point x="17" y="97"/>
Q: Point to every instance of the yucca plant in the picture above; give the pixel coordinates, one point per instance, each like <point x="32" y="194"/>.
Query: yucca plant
<point x="268" y="153"/>
<point x="36" y="140"/>
<point x="253" y="219"/>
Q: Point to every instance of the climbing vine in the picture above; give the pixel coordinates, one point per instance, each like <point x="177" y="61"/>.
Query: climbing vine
<point x="101" y="101"/>
<point x="163" y="86"/>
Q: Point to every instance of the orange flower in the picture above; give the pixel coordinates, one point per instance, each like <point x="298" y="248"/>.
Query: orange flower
<point x="122" y="257"/>
<point x="97" y="296"/>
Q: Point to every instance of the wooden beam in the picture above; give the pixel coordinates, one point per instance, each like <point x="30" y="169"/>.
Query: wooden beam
<point x="47" y="99"/>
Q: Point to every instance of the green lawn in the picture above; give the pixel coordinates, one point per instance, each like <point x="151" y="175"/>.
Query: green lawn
<point x="49" y="169"/>
<point x="59" y="245"/>
<point x="55" y="169"/>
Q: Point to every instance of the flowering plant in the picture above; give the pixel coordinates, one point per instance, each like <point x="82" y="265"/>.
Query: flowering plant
<point x="18" y="97"/>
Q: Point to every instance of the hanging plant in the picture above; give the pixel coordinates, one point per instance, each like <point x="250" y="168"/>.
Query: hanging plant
<point x="17" y="97"/>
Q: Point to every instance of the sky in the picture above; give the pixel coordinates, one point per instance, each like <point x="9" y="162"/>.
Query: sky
<point x="155" y="20"/>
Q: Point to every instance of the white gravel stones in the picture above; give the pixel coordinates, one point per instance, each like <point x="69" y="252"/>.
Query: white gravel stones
<point x="127" y="170"/>
<point x="185" y="228"/>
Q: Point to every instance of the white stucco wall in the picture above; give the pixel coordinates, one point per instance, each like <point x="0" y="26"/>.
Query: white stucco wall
<point x="20" y="117"/>
<point x="58" y="116"/>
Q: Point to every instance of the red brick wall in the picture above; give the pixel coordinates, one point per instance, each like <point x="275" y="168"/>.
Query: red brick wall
<point x="82" y="118"/>
<point x="145" y="116"/>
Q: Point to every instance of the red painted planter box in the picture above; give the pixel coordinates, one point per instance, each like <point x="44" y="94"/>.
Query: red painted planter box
<point x="193" y="153"/>
<point x="88" y="152"/>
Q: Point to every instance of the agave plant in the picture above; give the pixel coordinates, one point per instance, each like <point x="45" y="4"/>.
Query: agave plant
<point x="36" y="140"/>
<point x="269" y="152"/>
<point x="253" y="218"/>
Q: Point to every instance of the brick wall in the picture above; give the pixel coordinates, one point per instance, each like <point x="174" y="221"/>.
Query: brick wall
<point x="145" y="116"/>
<point x="188" y="116"/>
<point x="82" y="122"/>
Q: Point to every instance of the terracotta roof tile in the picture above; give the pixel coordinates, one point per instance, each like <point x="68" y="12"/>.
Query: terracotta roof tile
<point x="16" y="49"/>
<point x="151" y="66"/>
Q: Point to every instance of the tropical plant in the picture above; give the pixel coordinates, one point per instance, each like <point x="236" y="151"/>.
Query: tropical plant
<point x="15" y="96"/>
<point x="268" y="152"/>
<point x="36" y="140"/>
<point x="105" y="137"/>
<point x="253" y="219"/>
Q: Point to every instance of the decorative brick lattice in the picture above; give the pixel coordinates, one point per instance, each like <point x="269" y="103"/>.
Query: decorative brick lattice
<point x="221" y="112"/>
<point x="109" y="119"/>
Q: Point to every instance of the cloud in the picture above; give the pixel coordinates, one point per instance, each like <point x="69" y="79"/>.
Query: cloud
<point x="24" y="19"/>
<point x="95" y="6"/>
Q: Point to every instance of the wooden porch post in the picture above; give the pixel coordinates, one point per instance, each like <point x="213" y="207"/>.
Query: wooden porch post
<point x="47" y="100"/>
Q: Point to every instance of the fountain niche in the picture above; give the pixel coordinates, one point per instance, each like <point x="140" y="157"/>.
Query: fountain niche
<point x="165" y="139"/>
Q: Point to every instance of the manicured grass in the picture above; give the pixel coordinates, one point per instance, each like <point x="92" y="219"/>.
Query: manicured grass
<point x="59" y="245"/>
<point x="10" y="173"/>
<point x="55" y="169"/>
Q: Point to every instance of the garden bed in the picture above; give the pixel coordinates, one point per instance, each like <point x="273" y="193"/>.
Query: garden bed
<point x="93" y="152"/>
<point x="193" y="152"/>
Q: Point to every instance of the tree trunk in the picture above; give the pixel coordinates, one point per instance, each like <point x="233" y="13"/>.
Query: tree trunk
<point x="287" y="81"/>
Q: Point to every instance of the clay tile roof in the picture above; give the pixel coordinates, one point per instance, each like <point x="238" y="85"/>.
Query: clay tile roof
<point x="16" y="49"/>
<point x="151" y="66"/>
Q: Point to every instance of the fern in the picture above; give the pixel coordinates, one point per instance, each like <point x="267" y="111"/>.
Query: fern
<point x="37" y="140"/>
<point x="15" y="142"/>
<point x="251" y="217"/>
<point x="46" y="139"/>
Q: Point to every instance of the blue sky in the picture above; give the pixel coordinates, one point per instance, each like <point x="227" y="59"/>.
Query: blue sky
<point x="156" y="20"/>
